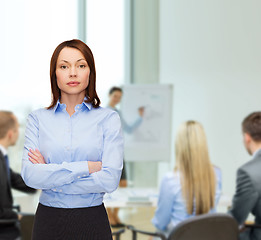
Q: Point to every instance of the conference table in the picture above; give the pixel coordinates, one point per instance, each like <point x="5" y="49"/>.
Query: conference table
<point x="122" y="198"/>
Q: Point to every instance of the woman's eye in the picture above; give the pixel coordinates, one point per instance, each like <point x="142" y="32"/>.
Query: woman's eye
<point x="82" y="66"/>
<point x="63" y="67"/>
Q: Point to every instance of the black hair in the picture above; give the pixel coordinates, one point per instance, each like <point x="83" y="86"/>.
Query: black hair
<point x="114" y="89"/>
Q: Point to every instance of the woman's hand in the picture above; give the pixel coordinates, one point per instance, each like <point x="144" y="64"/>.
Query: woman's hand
<point x="36" y="157"/>
<point x="94" y="166"/>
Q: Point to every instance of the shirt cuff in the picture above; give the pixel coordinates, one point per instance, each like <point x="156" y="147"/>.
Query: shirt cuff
<point x="80" y="170"/>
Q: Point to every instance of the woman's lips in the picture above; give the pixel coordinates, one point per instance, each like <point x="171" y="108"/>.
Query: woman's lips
<point x="73" y="84"/>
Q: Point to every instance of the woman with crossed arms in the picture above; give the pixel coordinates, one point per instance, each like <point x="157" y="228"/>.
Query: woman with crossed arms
<point x="73" y="151"/>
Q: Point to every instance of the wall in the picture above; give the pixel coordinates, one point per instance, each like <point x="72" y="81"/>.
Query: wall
<point x="210" y="51"/>
<point x="145" y="41"/>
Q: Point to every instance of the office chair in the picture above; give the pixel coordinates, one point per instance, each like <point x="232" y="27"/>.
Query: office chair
<point x="25" y="224"/>
<point x="118" y="233"/>
<point x="153" y="234"/>
<point x="214" y="226"/>
<point x="7" y="228"/>
<point x="10" y="221"/>
<point x="249" y="228"/>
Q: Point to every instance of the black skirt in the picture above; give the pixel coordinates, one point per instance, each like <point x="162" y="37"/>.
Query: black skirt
<point x="71" y="223"/>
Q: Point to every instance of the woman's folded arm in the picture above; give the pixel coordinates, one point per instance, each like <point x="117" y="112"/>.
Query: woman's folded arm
<point x="106" y="180"/>
<point x="47" y="176"/>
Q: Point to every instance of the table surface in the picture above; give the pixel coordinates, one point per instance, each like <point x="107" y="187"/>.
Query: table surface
<point x="122" y="197"/>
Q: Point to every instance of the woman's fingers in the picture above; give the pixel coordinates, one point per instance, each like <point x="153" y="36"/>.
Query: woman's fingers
<point x="37" y="151"/>
<point x="36" y="156"/>
<point x="33" y="156"/>
<point x="94" y="166"/>
<point x="33" y="161"/>
<point x="40" y="155"/>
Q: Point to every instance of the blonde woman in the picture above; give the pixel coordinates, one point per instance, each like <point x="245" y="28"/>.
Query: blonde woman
<point x="194" y="187"/>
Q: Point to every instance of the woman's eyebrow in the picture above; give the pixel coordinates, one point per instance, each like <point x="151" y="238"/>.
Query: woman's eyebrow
<point x="81" y="60"/>
<point x="76" y="61"/>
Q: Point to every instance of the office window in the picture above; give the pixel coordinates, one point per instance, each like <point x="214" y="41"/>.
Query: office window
<point x="30" y="32"/>
<point x="106" y="38"/>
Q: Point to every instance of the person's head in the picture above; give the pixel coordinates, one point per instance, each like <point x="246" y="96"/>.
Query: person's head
<point x="9" y="128"/>
<point x="72" y="72"/>
<point x="115" y="95"/>
<point x="196" y="170"/>
<point x="251" y="127"/>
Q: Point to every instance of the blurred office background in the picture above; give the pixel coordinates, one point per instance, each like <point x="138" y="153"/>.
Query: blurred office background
<point x="209" y="50"/>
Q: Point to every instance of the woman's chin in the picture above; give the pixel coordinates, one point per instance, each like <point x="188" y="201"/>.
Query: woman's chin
<point x="74" y="91"/>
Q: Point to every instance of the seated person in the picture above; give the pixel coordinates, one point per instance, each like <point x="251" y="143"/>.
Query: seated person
<point x="9" y="131"/>
<point x="194" y="187"/>
<point x="247" y="198"/>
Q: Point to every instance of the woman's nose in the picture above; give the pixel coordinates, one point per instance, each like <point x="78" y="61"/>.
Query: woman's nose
<point x="73" y="72"/>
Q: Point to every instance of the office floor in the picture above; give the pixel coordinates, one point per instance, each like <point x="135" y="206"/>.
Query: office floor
<point x="138" y="217"/>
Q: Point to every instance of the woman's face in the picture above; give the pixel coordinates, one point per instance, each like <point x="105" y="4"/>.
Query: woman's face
<point x="72" y="72"/>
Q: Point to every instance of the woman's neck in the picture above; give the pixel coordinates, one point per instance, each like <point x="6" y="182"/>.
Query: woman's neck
<point x="71" y="101"/>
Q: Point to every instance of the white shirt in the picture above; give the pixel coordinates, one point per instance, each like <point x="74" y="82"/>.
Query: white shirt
<point x="3" y="150"/>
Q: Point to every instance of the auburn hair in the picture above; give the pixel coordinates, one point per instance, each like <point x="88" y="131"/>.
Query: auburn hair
<point x="197" y="174"/>
<point x="90" y="91"/>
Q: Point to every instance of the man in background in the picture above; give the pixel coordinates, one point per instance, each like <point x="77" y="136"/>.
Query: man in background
<point x="9" y="132"/>
<point x="115" y="96"/>
<point x="247" y="198"/>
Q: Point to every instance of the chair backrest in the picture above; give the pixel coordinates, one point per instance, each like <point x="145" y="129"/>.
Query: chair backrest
<point x="214" y="226"/>
<point x="7" y="221"/>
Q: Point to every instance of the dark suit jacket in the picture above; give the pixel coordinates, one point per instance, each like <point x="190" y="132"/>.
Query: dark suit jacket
<point x="6" y="198"/>
<point x="247" y="198"/>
